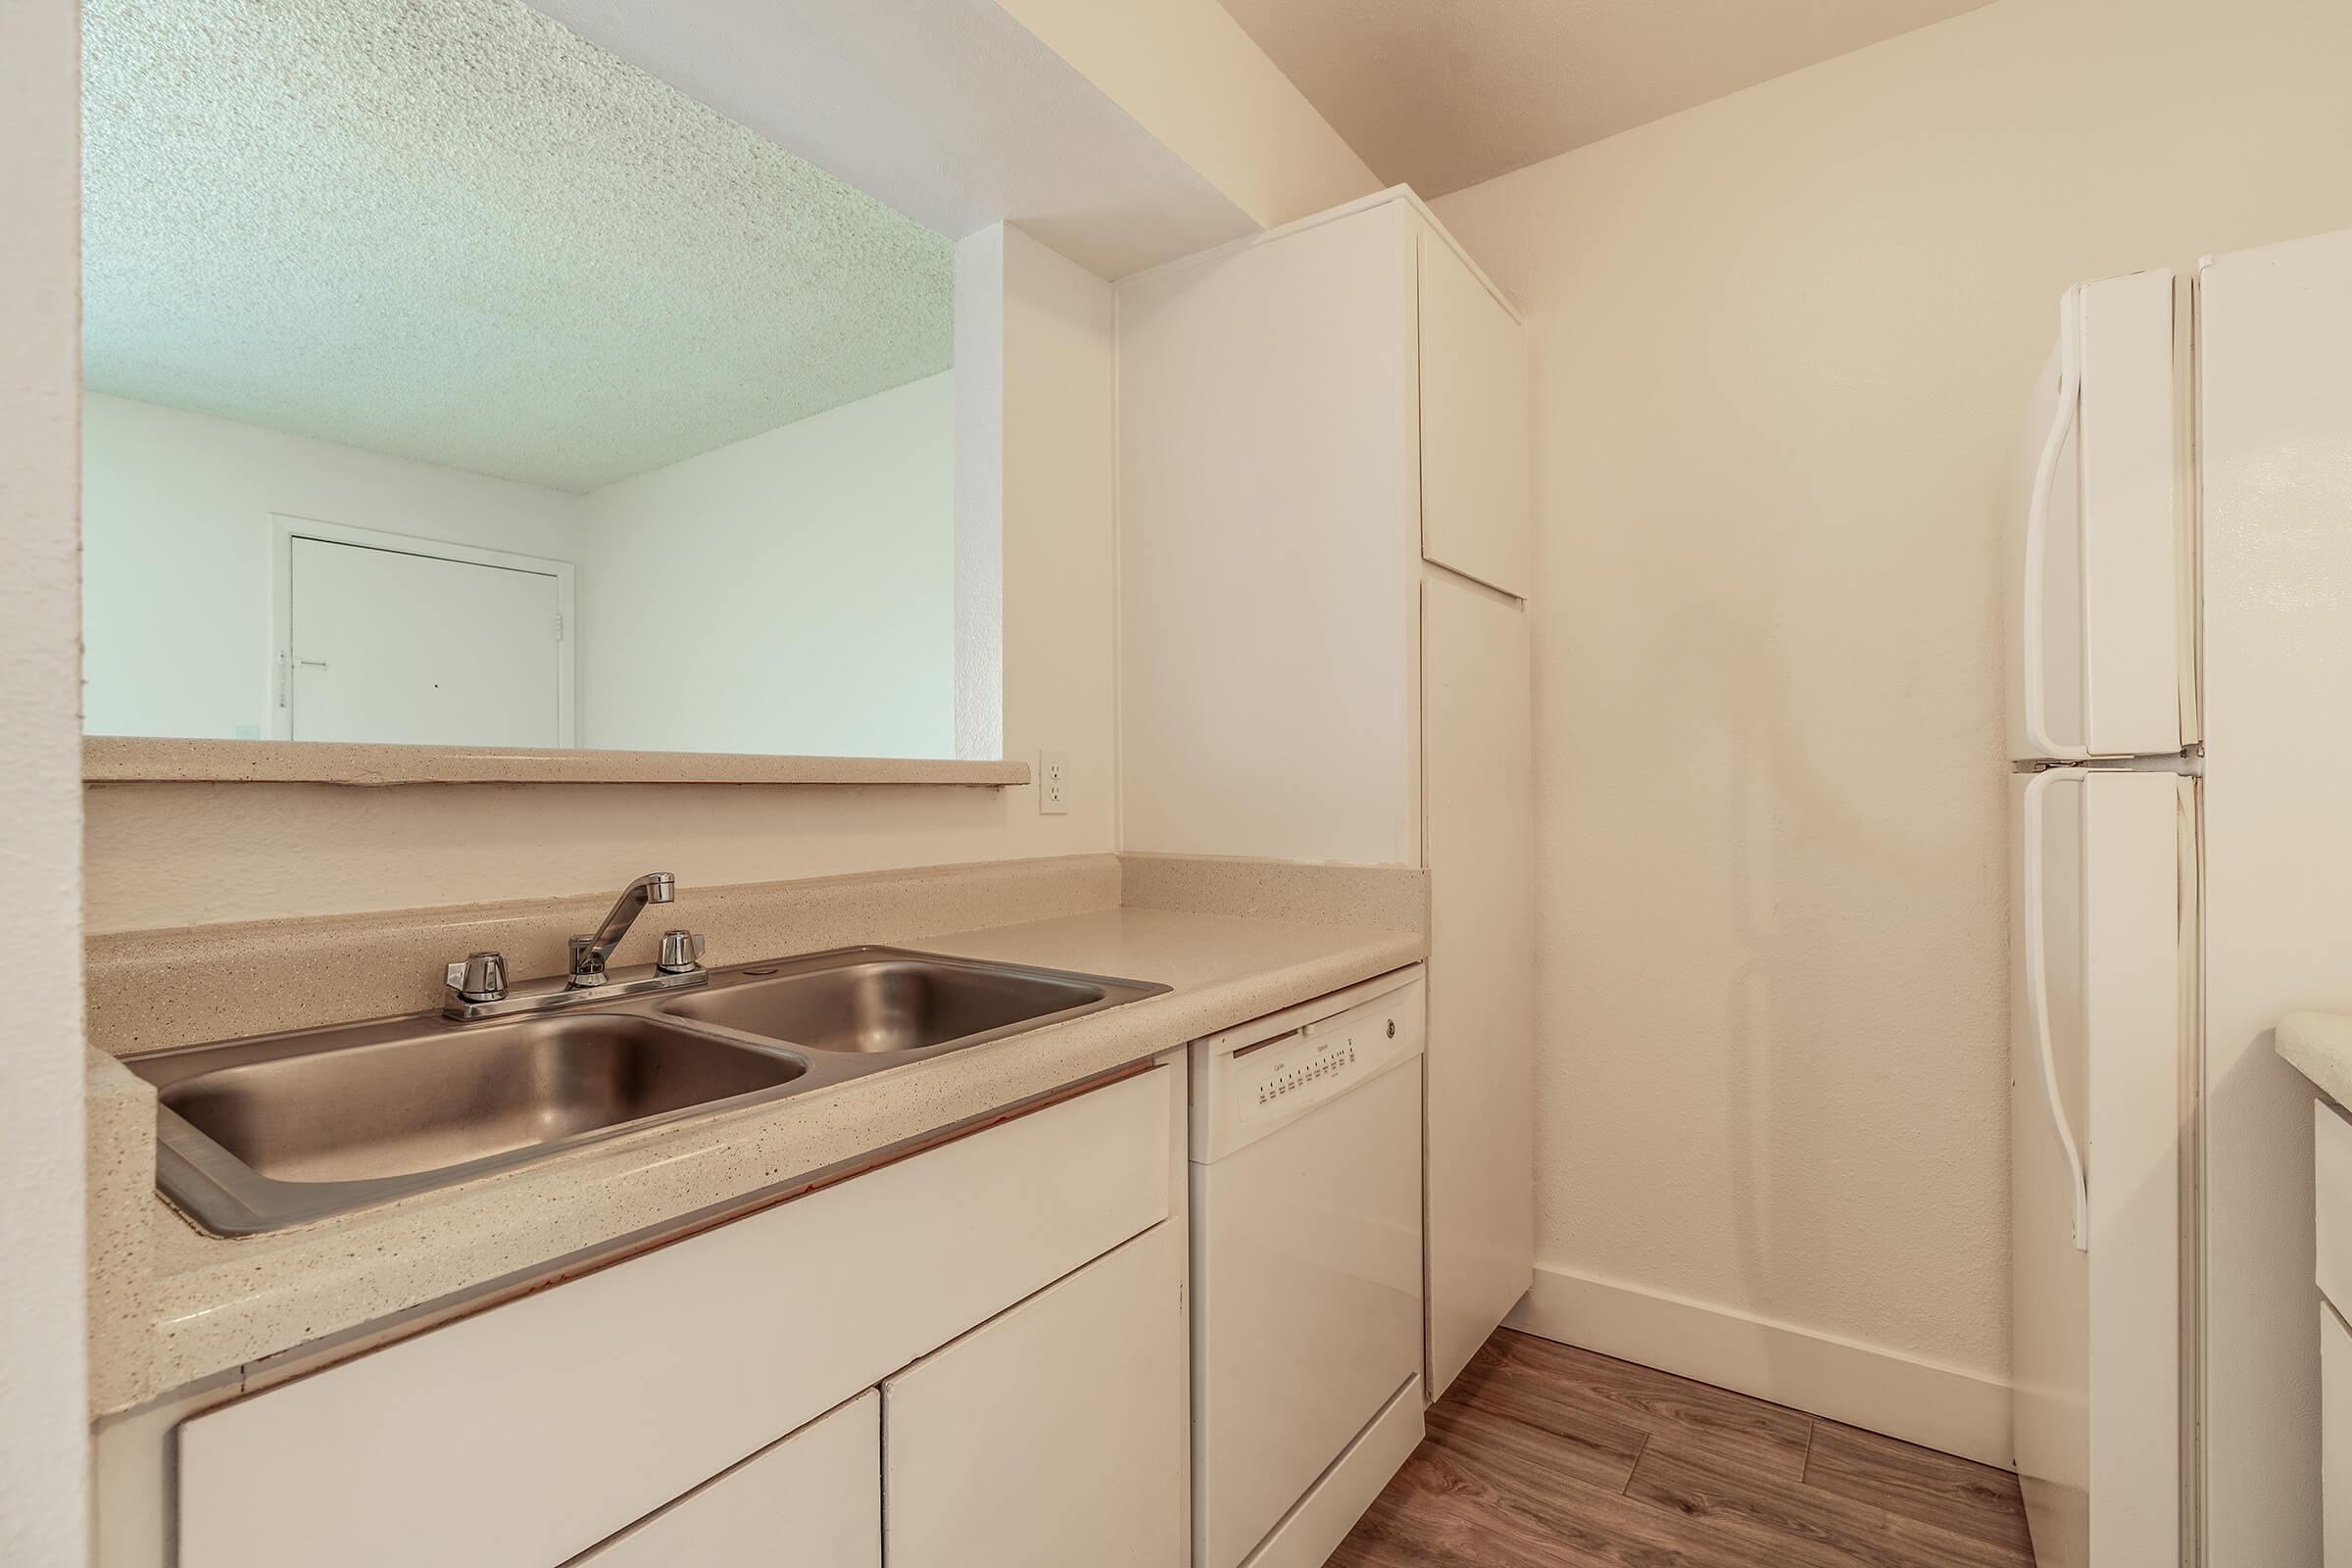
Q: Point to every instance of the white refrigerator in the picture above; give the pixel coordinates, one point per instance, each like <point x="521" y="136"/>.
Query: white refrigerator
<point x="2181" y="737"/>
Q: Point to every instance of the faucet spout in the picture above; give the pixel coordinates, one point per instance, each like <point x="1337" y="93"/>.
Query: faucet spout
<point x="589" y="953"/>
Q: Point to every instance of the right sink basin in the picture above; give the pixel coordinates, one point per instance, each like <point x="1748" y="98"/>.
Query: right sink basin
<point x="887" y="1000"/>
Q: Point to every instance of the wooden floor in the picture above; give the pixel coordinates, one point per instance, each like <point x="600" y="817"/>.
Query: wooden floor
<point x="1545" y="1456"/>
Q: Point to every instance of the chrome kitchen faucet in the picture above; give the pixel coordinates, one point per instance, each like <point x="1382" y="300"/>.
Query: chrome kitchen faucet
<point x="476" y="987"/>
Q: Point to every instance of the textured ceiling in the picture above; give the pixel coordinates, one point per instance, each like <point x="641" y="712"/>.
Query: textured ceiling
<point x="451" y="229"/>
<point x="1440" y="94"/>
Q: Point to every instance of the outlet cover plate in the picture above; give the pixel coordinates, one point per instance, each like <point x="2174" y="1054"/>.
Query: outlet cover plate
<point x="1054" y="783"/>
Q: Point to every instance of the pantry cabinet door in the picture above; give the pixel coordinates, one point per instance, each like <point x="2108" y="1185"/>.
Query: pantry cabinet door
<point x="1053" y="1436"/>
<point x="1475" y="449"/>
<point x="1479" y="1065"/>
<point x="812" y="1500"/>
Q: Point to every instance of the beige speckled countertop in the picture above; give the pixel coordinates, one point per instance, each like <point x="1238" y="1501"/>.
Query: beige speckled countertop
<point x="172" y="1307"/>
<point x="2318" y="1045"/>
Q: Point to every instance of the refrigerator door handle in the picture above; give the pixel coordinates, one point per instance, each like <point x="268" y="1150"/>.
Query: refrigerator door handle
<point x="2038" y="1003"/>
<point x="2038" y="517"/>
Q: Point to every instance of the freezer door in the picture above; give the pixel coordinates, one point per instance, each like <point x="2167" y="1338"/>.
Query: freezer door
<point x="2103" y="865"/>
<point x="2101" y="594"/>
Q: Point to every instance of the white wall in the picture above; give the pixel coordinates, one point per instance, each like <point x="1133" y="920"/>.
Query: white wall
<point x="1061" y="533"/>
<point x="44" y="1387"/>
<point x="175" y="541"/>
<point x="791" y="593"/>
<point x="980" y="493"/>
<point x="170" y="854"/>
<point x="1781" y="342"/>
<point x="801" y="583"/>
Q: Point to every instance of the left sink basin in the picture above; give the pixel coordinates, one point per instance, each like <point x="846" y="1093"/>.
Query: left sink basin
<point x="261" y="1134"/>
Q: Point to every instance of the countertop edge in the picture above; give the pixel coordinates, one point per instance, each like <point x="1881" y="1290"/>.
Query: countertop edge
<point x="2318" y="1045"/>
<point x="148" y="760"/>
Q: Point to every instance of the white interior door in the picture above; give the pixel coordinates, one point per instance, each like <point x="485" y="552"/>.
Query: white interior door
<point x="1479" y="795"/>
<point x="2106" y="893"/>
<point x="2101" y="658"/>
<point x="391" y="646"/>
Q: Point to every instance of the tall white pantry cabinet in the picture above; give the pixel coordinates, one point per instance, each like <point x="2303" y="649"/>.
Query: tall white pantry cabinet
<point x="1324" y="560"/>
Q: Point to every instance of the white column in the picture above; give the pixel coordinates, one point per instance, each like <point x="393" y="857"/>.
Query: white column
<point x="44" y="1402"/>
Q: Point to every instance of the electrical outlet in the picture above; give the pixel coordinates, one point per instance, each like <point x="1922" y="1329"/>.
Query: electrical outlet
<point x="1054" y="783"/>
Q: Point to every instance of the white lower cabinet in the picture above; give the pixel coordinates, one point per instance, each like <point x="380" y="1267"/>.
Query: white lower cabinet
<point x="2335" y="1439"/>
<point x="2332" y="1185"/>
<point x="606" y="1420"/>
<point x="813" y="1500"/>
<point x="2331" y="1162"/>
<point x="1054" y="1435"/>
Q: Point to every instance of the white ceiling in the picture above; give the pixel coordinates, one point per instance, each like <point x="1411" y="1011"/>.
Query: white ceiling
<point x="1440" y="94"/>
<point x="454" y="231"/>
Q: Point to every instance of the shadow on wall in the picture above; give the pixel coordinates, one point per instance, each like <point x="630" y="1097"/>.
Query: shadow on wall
<point x="1795" y="832"/>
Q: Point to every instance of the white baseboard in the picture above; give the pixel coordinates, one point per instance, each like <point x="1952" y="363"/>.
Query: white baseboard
<point x="1935" y="1406"/>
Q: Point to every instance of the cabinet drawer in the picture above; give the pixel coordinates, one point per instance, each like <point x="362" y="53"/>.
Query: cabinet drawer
<point x="813" y="1500"/>
<point x="2332" y="1185"/>
<point x="528" y="1433"/>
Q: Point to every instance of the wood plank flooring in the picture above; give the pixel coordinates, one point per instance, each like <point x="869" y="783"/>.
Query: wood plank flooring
<point x="1545" y="1456"/>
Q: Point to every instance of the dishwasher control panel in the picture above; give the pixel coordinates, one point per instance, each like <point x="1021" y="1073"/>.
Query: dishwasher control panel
<point x="1285" y="1072"/>
<point x="1247" y="1089"/>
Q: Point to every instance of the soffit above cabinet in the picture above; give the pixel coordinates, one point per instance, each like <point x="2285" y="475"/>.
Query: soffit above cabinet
<point x="1439" y="96"/>
<point x="949" y="112"/>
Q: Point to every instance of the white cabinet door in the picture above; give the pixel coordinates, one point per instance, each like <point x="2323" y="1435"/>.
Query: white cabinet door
<point x="2336" y="1440"/>
<point x="521" y="1436"/>
<point x="1475" y="444"/>
<point x="1267" y="524"/>
<point x="410" y="649"/>
<point x="1054" y="1435"/>
<point x="1479" y="1059"/>
<point x="812" y="1500"/>
<point x="2332" y="1185"/>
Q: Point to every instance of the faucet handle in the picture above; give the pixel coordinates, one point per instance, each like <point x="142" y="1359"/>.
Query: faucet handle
<point x="587" y="964"/>
<point x="483" y="977"/>
<point x="681" y="953"/>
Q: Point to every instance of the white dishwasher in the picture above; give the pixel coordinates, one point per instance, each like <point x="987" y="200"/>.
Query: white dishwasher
<point x="1307" y="1268"/>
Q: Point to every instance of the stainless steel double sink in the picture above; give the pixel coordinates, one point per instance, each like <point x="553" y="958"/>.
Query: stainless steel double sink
<point x="259" y="1134"/>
